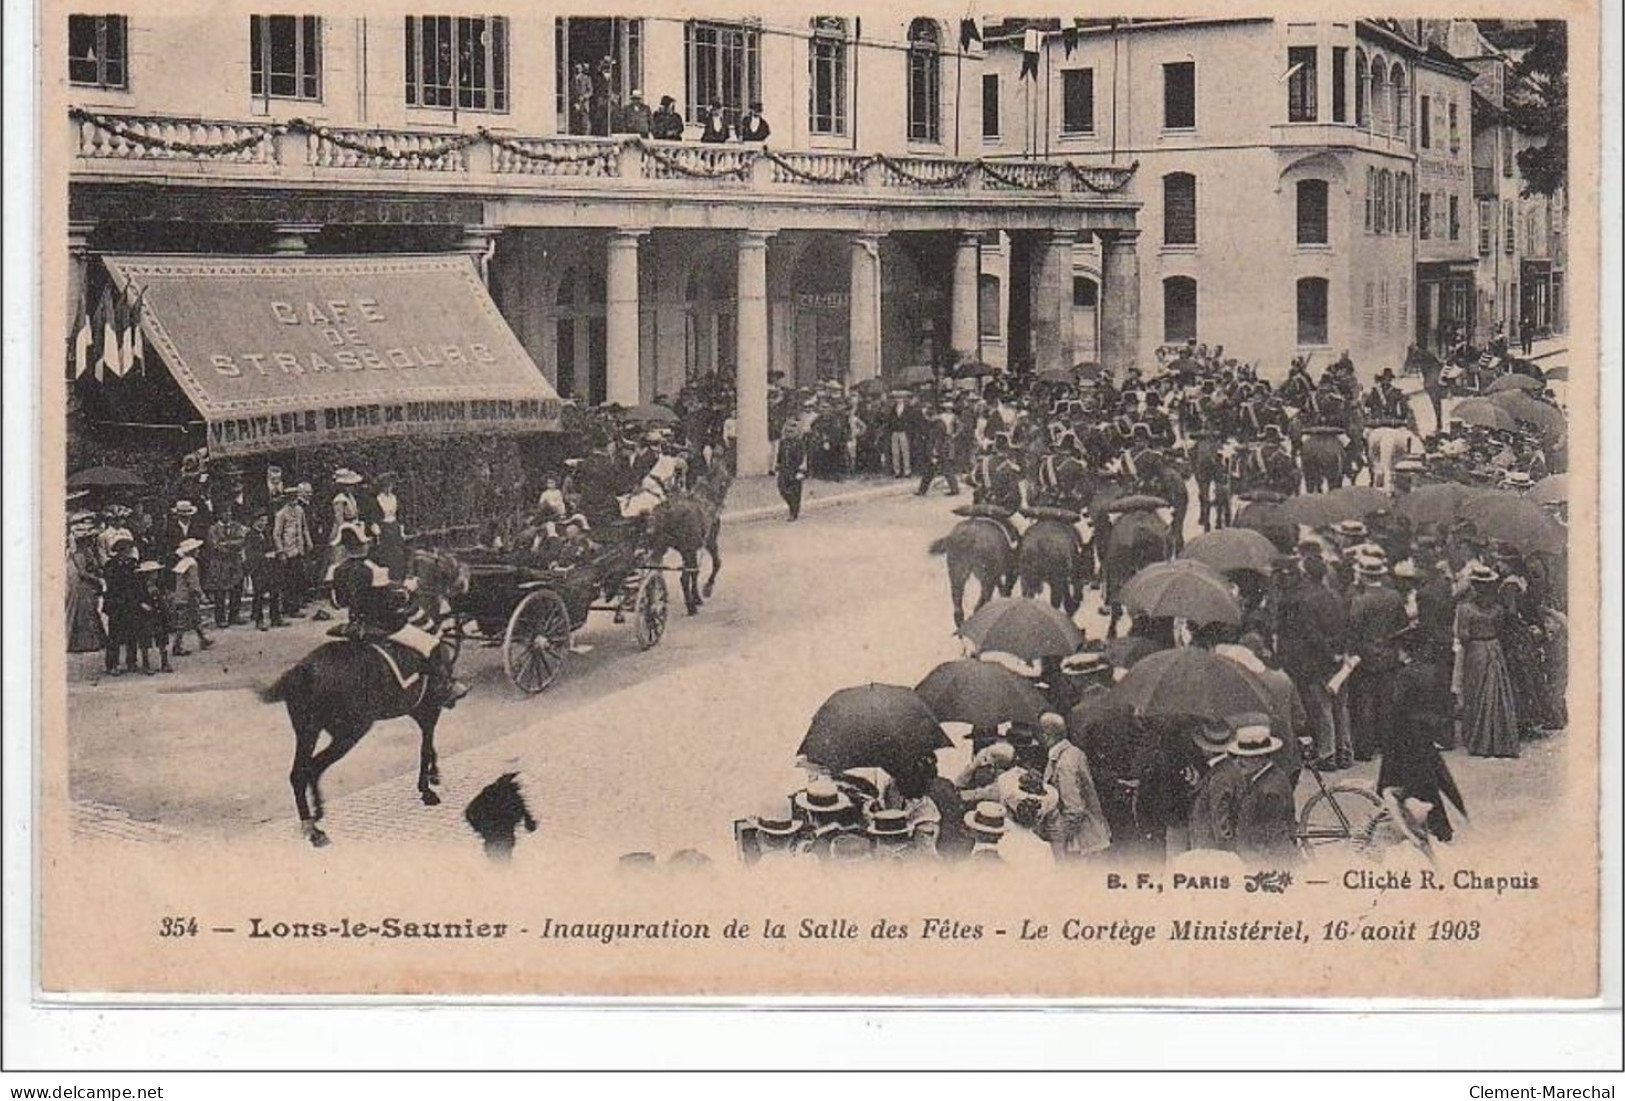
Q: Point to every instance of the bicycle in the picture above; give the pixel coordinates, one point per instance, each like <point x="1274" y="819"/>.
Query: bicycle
<point x="1356" y="816"/>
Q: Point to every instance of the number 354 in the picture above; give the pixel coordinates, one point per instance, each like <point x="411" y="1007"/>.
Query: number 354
<point x="177" y="927"/>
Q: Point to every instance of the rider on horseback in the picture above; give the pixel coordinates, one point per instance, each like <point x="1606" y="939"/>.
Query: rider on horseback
<point x="382" y="610"/>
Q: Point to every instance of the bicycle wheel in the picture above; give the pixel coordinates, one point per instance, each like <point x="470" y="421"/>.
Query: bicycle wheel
<point x="1341" y="816"/>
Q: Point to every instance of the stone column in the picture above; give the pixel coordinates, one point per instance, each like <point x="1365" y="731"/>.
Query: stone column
<point x="1052" y="302"/>
<point x="293" y="238"/>
<point x="1119" y="300"/>
<point x="480" y="244"/>
<point x="863" y="305"/>
<point x="751" y="329"/>
<point x="963" y="337"/>
<point x="622" y="321"/>
<point x="78" y="268"/>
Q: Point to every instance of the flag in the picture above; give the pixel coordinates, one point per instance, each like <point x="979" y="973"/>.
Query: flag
<point x="81" y="343"/>
<point x="1069" y="40"/>
<point x="1031" y="43"/>
<point x="968" y="33"/>
<point x="135" y="348"/>
<point x="112" y="325"/>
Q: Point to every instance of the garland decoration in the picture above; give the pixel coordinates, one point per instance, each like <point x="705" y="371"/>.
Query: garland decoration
<point x="672" y="164"/>
<point x="606" y="155"/>
<point x="152" y="141"/>
<point x="455" y="144"/>
<point x="851" y="176"/>
<point x="1123" y="175"/>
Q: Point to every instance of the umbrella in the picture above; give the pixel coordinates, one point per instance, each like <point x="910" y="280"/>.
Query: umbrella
<point x="1054" y="374"/>
<point x="1025" y="628"/>
<point x="105" y="477"/>
<point x="871" y="386"/>
<point x="1484" y="413"/>
<point x="1435" y="504"/>
<point x="972" y="368"/>
<point x="1549" y="491"/>
<point x="1126" y="652"/>
<point x="1087" y="369"/>
<point x="1232" y="549"/>
<point x="1265" y="518"/>
<point x="1190" y="681"/>
<point x="1547" y="418"/>
<point x="1185" y="589"/>
<point x="980" y="693"/>
<point x="1347" y="503"/>
<point x="917" y="375"/>
<point x="1558" y="374"/>
<point x="875" y="725"/>
<point x="649" y="414"/>
<point x="1515" y="520"/>
<point x="1515" y="381"/>
<point x="1137" y="502"/>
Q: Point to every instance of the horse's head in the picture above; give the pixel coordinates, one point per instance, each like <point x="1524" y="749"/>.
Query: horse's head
<point x="440" y="577"/>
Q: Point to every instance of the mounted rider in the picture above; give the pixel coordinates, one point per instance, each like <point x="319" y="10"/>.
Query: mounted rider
<point x="385" y="611"/>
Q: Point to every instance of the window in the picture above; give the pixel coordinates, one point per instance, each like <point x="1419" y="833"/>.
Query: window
<point x="1362" y="75"/>
<point x="1455" y="133"/>
<point x="1368" y="317"/>
<point x="457" y="62"/>
<point x="1385" y="201"/>
<point x="1486" y="227"/>
<point x="1402" y="202"/>
<point x="1426" y="113"/>
<point x="1078" y="101"/>
<point x="1424" y="216"/>
<point x="1404" y="302"/>
<point x="1340" y="76"/>
<point x="1455" y="219"/>
<point x="1370" y="200"/>
<point x="285" y="56"/>
<point x="724" y="67"/>
<point x="924" y="81"/>
<point x="1179" y="96"/>
<point x="1085" y="293"/>
<point x="1396" y="89"/>
<point x="1508" y="219"/>
<point x="98" y="48"/>
<point x="1179" y="209"/>
<point x="1379" y="96"/>
<point x="987" y="304"/>
<point x="1178" y="309"/>
<point x="990" y="105"/>
<point x="1312" y="214"/>
<point x="826" y="86"/>
<point x="1302" y="77"/>
<point x="1312" y="311"/>
<point x="1506" y="151"/>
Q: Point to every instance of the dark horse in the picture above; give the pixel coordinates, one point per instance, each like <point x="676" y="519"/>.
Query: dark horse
<point x="344" y="687"/>
<point x="1050" y="554"/>
<point x="1324" y="461"/>
<point x="1211" y="469"/>
<point x="1137" y="540"/>
<point x="977" y="546"/>
<point x="688" y="523"/>
<point x="1431" y="368"/>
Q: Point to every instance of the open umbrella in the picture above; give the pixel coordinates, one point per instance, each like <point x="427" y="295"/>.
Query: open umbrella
<point x="1185" y="589"/>
<point x="1347" y="503"/>
<point x="1265" y="518"/>
<point x="1190" y="681"/>
<point x="1232" y="549"/>
<point x="1547" y="418"/>
<point x="105" y="477"/>
<point x="918" y="375"/>
<point x="1549" y="491"/>
<point x="1439" y="503"/>
<point x="980" y="693"/>
<point x="1514" y="381"/>
<point x="1087" y="369"/>
<point x="1137" y="502"/>
<point x="649" y="414"/>
<point x="1558" y="374"/>
<point x="1515" y="520"/>
<point x="1482" y="413"/>
<point x="1055" y="374"/>
<point x="972" y="368"/>
<point x="1128" y="651"/>
<point x="1022" y="627"/>
<point x="874" y="725"/>
<point x="871" y="386"/>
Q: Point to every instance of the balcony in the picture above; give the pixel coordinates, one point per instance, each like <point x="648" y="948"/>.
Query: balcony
<point x="1484" y="182"/>
<point x="1337" y="135"/>
<point x="119" y="148"/>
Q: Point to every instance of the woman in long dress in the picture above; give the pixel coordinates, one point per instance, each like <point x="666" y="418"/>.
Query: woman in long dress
<point x="390" y="549"/>
<point x="85" y="632"/>
<point x="1488" y="708"/>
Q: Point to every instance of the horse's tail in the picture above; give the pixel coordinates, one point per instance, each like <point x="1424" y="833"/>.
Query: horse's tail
<point x="940" y="546"/>
<point x="289" y="685"/>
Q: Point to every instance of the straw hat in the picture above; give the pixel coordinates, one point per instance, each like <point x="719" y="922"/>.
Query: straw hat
<point x="988" y="818"/>
<point x="1252" y="737"/>
<point x="822" y="797"/>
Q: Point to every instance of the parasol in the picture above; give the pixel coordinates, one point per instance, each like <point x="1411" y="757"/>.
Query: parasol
<point x="1347" y="503"/>
<point x="1184" y="589"/>
<point x="1264" y="517"/>
<point x="1515" y="382"/>
<point x="1022" y="627"/>
<point x="1483" y="413"/>
<point x="1439" y="503"/>
<point x="1232" y="549"/>
<point x="1547" y="418"/>
<point x="1190" y="681"/>
<point x="980" y="693"/>
<point x="972" y="368"/>
<point x="1087" y="369"/>
<point x="875" y="725"/>
<point x="1516" y="520"/>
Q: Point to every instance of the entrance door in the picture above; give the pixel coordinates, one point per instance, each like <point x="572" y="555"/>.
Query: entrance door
<point x="1085" y="318"/>
<point x="584" y="42"/>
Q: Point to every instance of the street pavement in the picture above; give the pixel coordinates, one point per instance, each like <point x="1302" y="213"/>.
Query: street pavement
<point x="628" y="750"/>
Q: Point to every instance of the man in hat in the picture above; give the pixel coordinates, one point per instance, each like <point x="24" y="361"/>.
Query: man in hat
<point x="121" y="604"/>
<point x="828" y="812"/>
<point x="1275" y="469"/>
<point x="891" y="833"/>
<point x="264" y="573"/>
<point x="987" y="827"/>
<point x="790" y="463"/>
<point x="894" y="422"/>
<point x="1421" y="722"/>
<point x="1310" y="623"/>
<point x="939" y="453"/>
<point x="1376" y="613"/>
<point x="634" y="116"/>
<point x="293" y="540"/>
<point x="182" y="524"/>
<point x="1077" y="827"/>
<point x="1244" y="804"/>
<point x="666" y="124"/>
<point x="752" y="126"/>
<point x="779" y="834"/>
<point x="717" y="129"/>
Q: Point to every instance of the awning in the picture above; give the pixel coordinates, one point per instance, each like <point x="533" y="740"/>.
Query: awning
<point x="284" y="352"/>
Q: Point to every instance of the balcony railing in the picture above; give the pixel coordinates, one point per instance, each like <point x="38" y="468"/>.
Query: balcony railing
<point x="107" y="142"/>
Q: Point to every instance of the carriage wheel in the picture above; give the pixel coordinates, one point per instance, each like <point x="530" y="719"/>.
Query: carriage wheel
<point x="652" y="608"/>
<point x="537" y="641"/>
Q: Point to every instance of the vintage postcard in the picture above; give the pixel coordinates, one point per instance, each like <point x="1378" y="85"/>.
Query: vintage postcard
<point x="574" y="500"/>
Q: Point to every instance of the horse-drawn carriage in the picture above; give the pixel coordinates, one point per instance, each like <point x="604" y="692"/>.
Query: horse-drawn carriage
<point x="533" y="610"/>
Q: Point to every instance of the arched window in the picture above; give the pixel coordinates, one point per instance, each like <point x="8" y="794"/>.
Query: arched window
<point x="1179" y="209"/>
<point x="1362" y="79"/>
<point x="1312" y="213"/>
<point x="1178" y="309"/>
<point x="924" y="81"/>
<point x="1400" y="100"/>
<point x="1379" y="96"/>
<point x="1370" y="200"/>
<point x="1312" y="311"/>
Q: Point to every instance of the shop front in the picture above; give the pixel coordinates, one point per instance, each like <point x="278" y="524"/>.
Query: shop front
<point x="1445" y="304"/>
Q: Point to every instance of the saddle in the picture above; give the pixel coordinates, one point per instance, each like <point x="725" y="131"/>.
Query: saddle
<point x="985" y="511"/>
<point x="1049" y="512"/>
<point x="397" y="656"/>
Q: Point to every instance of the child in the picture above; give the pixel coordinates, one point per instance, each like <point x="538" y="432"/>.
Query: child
<point x="188" y="598"/>
<point x="152" y="619"/>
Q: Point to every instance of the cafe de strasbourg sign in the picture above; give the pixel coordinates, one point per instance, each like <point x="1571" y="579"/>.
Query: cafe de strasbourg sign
<point x="280" y="353"/>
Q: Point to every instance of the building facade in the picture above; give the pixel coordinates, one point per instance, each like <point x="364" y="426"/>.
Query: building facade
<point x="1446" y="243"/>
<point x="848" y="245"/>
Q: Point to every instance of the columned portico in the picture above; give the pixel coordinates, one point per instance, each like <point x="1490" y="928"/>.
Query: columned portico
<point x="967" y="269"/>
<point x="480" y="243"/>
<point x="622" y="320"/>
<point x="864" y="306"/>
<point x="1052" y="302"/>
<point x="1119" y="300"/>
<point x="751" y="359"/>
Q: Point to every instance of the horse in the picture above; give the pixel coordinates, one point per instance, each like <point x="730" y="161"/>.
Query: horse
<point x="1166" y="479"/>
<point x="1048" y="555"/>
<point x="689" y="523"/>
<point x="1386" y="442"/>
<point x="1211" y="469"/>
<point x="1137" y="540"/>
<point x="345" y="687"/>
<point x="1324" y="461"/>
<point x="977" y="546"/>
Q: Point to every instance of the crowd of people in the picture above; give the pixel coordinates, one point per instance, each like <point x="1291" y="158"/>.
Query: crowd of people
<point x="597" y="109"/>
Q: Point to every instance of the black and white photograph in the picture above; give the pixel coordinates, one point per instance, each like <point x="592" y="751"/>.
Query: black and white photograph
<point x="754" y="502"/>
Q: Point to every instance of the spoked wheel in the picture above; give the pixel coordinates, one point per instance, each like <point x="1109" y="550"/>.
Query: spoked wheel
<point x="1339" y="819"/>
<point x="537" y="641"/>
<point x="652" y="607"/>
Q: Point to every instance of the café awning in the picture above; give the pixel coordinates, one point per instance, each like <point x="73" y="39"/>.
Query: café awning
<point x="284" y="352"/>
